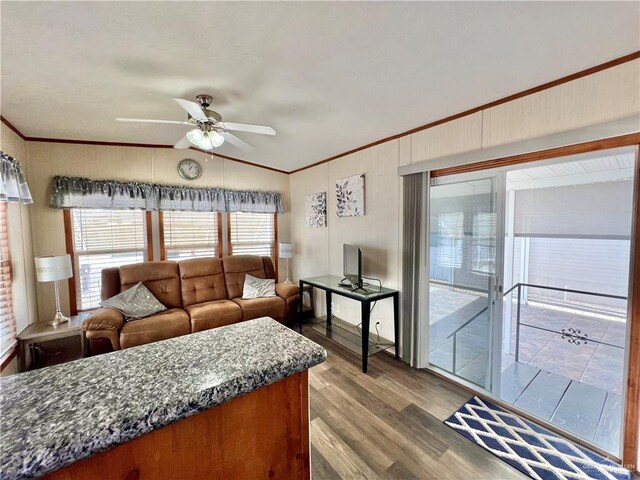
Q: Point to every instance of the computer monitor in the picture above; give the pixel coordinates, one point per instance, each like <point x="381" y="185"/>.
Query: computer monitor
<point x="352" y="264"/>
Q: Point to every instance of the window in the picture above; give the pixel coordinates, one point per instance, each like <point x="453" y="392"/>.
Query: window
<point x="190" y="235"/>
<point x="448" y="242"/>
<point x="484" y="243"/>
<point x="102" y="239"/>
<point x="7" y="318"/>
<point x="252" y="234"/>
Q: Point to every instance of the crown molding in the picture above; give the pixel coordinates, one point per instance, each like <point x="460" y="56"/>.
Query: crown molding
<point x="12" y="128"/>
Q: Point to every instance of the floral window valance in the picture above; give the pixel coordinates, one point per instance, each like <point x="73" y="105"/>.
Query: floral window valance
<point x="76" y="192"/>
<point x="13" y="186"/>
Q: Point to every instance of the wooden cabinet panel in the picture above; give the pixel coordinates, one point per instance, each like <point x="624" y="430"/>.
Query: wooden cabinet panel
<point x="261" y="435"/>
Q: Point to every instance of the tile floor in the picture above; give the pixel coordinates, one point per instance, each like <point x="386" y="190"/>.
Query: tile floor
<point x="592" y="363"/>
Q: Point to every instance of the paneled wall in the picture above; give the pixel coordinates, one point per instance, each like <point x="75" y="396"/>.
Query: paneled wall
<point x="23" y="268"/>
<point x="606" y="95"/>
<point x="126" y="163"/>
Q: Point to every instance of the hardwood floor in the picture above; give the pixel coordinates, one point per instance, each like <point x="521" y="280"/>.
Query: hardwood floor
<point x="387" y="424"/>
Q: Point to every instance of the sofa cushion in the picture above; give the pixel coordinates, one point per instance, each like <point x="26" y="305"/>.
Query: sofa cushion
<point x="213" y="314"/>
<point x="161" y="278"/>
<point x="110" y="282"/>
<point x="168" y="324"/>
<point x="202" y="280"/>
<point x="273" y="307"/>
<point x="236" y="267"/>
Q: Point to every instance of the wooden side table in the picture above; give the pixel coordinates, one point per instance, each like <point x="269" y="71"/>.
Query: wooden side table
<point x="43" y="332"/>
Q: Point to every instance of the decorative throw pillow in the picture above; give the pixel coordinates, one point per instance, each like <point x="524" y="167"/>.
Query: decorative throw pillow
<point x="258" y="287"/>
<point x="135" y="303"/>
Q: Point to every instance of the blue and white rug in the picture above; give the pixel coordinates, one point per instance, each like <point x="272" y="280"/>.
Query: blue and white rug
<point x="537" y="452"/>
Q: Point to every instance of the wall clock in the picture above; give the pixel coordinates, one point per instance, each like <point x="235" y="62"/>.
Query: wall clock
<point x="189" y="169"/>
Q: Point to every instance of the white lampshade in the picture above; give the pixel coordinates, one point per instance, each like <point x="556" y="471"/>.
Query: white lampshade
<point x="50" y="269"/>
<point x="285" y="250"/>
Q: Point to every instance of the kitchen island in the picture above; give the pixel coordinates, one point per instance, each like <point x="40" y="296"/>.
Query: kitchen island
<point x="231" y="402"/>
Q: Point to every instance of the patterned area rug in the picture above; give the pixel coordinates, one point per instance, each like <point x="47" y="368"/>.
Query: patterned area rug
<point x="537" y="452"/>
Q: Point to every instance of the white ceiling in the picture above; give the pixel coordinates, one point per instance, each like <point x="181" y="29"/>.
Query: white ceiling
<point x="327" y="76"/>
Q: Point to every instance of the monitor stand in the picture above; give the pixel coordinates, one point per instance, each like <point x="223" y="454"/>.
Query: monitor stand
<point x="360" y="288"/>
<point x="350" y="285"/>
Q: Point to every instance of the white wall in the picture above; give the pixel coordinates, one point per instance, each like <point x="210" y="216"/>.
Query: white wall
<point x="158" y="165"/>
<point x="607" y="95"/>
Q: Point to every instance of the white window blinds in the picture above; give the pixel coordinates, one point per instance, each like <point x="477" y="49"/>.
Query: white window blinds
<point x="483" y="253"/>
<point x="7" y="318"/>
<point x="102" y="239"/>
<point x="449" y="241"/>
<point x="252" y="234"/>
<point x="190" y="234"/>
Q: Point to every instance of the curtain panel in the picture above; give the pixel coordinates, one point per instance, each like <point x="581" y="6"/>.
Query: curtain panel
<point x="13" y="186"/>
<point x="76" y="192"/>
<point x="254" y="202"/>
<point x="415" y="288"/>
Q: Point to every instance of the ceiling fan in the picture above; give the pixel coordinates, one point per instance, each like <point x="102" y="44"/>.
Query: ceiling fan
<point x="209" y="131"/>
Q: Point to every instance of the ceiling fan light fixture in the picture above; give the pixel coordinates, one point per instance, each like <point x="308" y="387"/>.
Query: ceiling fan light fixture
<point x="216" y="138"/>
<point x="206" y="142"/>
<point x="195" y="136"/>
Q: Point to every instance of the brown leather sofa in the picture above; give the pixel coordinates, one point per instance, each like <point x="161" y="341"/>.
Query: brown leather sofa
<point x="199" y="294"/>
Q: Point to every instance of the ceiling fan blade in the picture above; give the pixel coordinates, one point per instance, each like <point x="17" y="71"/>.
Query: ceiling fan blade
<point x="237" y="142"/>
<point x="247" y="127"/>
<point x="151" y="120"/>
<point x="192" y="109"/>
<point x="183" y="143"/>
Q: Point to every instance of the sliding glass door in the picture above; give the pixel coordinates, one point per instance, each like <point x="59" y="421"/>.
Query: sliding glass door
<point x="463" y="279"/>
<point x="566" y="269"/>
<point x="529" y="284"/>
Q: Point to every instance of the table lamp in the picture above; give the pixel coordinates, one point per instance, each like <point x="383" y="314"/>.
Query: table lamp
<point x="52" y="269"/>
<point x="286" y="251"/>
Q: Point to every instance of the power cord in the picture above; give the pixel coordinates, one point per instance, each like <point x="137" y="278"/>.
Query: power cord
<point x="377" y="342"/>
<point x="374" y="279"/>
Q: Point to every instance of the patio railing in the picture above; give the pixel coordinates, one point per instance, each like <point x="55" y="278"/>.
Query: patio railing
<point x="572" y="335"/>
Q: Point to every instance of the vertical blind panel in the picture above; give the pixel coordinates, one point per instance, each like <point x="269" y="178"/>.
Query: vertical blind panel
<point x="103" y="239"/>
<point x="7" y="318"/>
<point x="252" y="234"/>
<point x="190" y="234"/>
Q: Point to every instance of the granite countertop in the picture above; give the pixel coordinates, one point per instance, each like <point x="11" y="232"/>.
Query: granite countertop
<point x="52" y="417"/>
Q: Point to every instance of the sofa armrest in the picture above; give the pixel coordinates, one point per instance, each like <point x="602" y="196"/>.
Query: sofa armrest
<point x="287" y="290"/>
<point x="103" y="319"/>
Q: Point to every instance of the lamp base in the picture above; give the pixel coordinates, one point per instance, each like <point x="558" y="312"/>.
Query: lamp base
<point x="59" y="319"/>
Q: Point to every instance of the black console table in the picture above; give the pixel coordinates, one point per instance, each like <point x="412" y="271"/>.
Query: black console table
<point x="331" y="284"/>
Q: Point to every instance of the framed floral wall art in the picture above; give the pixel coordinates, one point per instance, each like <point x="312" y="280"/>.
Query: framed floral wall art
<point x="350" y="196"/>
<point x="316" y="209"/>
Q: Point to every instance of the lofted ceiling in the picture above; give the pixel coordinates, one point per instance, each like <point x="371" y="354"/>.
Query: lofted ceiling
<point x="328" y="76"/>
